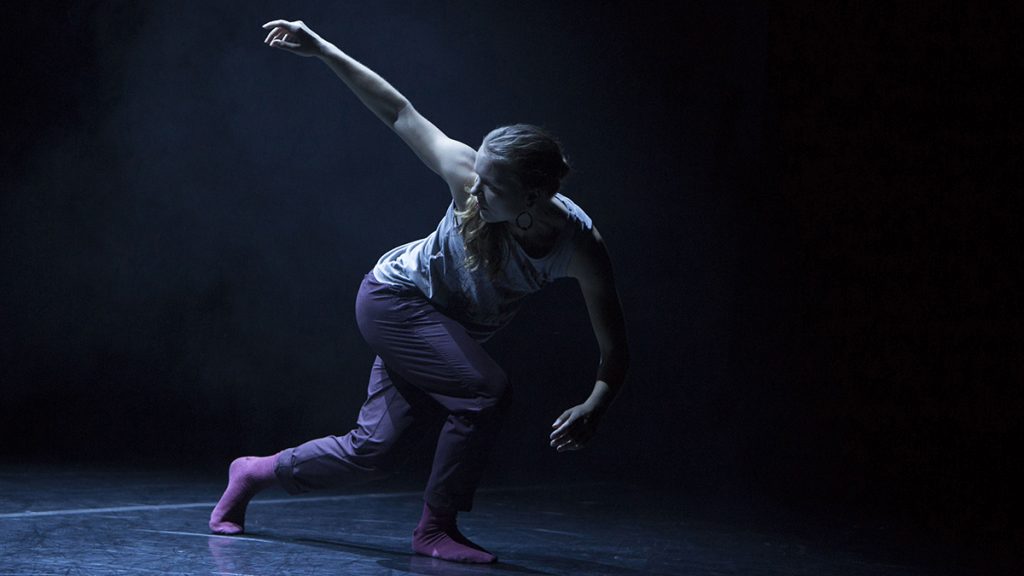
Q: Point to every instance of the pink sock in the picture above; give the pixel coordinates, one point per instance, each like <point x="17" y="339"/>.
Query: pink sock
<point x="438" y="537"/>
<point x="246" y="477"/>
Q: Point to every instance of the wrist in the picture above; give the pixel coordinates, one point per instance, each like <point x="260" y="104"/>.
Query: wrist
<point x="324" y="49"/>
<point x="600" y="398"/>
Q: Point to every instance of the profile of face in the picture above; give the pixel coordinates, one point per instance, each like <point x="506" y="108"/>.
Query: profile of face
<point x="497" y="189"/>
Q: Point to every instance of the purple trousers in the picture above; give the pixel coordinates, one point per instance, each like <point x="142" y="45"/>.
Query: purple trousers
<point x="425" y="361"/>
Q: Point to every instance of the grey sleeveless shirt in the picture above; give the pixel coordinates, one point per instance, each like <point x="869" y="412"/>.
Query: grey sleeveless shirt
<point x="435" y="266"/>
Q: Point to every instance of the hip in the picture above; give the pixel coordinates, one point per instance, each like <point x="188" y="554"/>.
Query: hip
<point x="398" y="302"/>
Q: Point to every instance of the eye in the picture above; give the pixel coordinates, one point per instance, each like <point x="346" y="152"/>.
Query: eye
<point x="491" y="188"/>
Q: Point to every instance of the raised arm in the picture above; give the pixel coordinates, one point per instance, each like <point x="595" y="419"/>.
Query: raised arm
<point x="592" y="268"/>
<point x="448" y="158"/>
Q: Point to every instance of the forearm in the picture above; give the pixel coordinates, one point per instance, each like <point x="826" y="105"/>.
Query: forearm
<point x="379" y="96"/>
<point x="611" y="375"/>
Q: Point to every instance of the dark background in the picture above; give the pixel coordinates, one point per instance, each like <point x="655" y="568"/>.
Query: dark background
<point x="808" y="208"/>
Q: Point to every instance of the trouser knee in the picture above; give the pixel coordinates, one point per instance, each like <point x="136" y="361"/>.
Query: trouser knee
<point x="493" y="393"/>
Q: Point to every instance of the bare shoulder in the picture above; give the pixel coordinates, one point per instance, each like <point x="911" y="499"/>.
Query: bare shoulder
<point x="590" y="263"/>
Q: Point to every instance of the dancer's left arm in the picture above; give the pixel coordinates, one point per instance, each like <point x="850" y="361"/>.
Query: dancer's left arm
<point x="592" y="268"/>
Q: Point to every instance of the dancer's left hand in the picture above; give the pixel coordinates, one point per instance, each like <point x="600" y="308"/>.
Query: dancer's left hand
<point x="575" y="427"/>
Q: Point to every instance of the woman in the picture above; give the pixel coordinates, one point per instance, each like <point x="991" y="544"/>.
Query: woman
<point x="426" y="307"/>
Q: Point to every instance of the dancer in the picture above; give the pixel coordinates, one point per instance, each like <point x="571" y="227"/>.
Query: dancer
<point x="427" y="306"/>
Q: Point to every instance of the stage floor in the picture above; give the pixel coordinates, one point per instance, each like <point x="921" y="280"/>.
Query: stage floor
<point x="99" y="522"/>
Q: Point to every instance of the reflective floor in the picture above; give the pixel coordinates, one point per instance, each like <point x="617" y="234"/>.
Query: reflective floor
<point x="101" y="522"/>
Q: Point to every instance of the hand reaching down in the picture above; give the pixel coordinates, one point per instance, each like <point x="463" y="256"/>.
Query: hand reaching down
<point x="575" y="427"/>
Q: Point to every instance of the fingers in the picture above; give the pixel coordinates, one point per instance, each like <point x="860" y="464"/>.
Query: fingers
<point x="559" y="436"/>
<point x="569" y="445"/>
<point x="562" y="428"/>
<point x="280" y="43"/>
<point x="275" y="34"/>
<point x="566" y="437"/>
<point x="279" y="39"/>
<point x="570" y="442"/>
<point x="278" y="36"/>
<point x="573" y="430"/>
<point x="291" y="26"/>
<point x="561" y="421"/>
<point x="558" y="421"/>
<point x="569" y="419"/>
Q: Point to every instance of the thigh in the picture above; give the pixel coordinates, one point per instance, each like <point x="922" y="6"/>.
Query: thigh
<point x="426" y="348"/>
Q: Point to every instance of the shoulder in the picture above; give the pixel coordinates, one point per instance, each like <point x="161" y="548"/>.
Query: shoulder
<point x="590" y="262"/>
<point x="587" y="253"/>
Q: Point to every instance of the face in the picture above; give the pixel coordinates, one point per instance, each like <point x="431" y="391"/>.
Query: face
<point x="497" y="189"/>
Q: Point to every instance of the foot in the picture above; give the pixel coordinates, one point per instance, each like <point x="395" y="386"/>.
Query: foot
<point x="438" y="537"/>
<point x="246" y="477"/>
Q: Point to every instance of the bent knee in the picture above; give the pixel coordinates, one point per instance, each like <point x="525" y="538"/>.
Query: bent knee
<point x="372" y="460"/>
<point x="368" y="451"/>
<point x="491" y="390"/>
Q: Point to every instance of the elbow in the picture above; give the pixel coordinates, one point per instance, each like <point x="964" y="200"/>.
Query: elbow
<point x="401" y="113"/>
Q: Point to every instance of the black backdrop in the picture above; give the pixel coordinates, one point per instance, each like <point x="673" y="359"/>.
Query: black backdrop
<point x="808" y="211"/>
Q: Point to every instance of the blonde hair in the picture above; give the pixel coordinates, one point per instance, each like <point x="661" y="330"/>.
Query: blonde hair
<point x="486" y="244"/>
<point x="537" y="159"/>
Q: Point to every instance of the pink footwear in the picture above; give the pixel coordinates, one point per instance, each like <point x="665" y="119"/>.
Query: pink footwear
<point x="437" y="536"/>
<point x="246" y="477"/>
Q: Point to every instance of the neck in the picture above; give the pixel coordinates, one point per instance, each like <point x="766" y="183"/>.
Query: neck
<point x="546" y="216"/>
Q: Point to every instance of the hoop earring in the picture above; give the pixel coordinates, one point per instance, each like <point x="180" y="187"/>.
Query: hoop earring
<point x="528" y="226"/>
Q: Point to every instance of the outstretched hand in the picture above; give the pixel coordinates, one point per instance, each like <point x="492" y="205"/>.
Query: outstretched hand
<point x="575" y="427"/>
<point x="295" y="37"/>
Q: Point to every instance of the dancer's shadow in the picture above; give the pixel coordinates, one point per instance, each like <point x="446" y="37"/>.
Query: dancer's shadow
<point x="552" y="565"/>
<point x="425" y="566"/>
<point x="414" y="564"/>
<point x="229" y="556"/>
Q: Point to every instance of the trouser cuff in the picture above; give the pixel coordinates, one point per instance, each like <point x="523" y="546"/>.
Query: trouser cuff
<point x="283" y="470"/>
